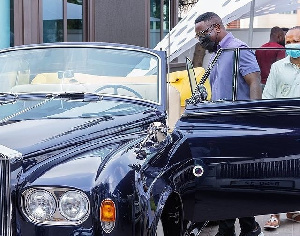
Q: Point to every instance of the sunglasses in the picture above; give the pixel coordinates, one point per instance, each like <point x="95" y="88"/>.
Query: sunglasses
<point x="203" y="33"/>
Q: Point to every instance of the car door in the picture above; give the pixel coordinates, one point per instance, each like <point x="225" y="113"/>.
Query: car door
<point x="245" y="157"/>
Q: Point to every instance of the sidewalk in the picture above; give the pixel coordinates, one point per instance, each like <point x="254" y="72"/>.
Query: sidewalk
<point x="287" y="227"/>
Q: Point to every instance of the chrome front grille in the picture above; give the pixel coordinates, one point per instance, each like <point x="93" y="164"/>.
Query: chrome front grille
<point x="7" y="158"/>
<point x="286" y="168"/>
<point x="5" y="198"/>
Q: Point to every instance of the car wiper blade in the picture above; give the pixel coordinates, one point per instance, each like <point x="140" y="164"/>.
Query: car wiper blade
<point x="8" y="97"/>
<point x="24" y="96"/>
<point x="85" y="97"/>
<point x="33" y="96"/>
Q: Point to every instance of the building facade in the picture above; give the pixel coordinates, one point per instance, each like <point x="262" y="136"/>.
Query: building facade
<point x="141" y="23"/>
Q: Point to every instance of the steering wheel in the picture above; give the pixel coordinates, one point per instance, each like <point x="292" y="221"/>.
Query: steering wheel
<point x="116" y="87"/>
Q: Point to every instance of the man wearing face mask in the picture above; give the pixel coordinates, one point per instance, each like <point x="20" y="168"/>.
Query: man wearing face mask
<point x="284" y="79"/>
<point x="212" y="35"/>
<point x="284" y="82"/>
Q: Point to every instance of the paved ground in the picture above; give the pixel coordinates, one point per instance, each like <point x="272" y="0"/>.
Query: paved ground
<point x="287" y="227"/>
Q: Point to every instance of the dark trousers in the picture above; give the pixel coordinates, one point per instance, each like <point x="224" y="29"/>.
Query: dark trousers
<point x="226" y="227"/>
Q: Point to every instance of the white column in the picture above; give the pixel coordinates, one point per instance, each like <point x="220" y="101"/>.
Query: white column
<point x="4" y="24"/>
<point x="250" y="33"/>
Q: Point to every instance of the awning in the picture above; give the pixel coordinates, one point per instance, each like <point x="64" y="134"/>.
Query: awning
<point x="181" y="37"/>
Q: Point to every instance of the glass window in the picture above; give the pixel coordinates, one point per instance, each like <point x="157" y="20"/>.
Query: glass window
<point x="12" y="23"/>
<point x="156" y="23"/>
<point x="53" y="21"/>
<point x="5" y="23"/>
<point x="166" y="18"/>
<point x="74" y="22"/>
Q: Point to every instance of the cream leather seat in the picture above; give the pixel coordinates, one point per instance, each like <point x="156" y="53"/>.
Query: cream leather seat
<point x="173" y="110"/>
<point x="179" y="91"/>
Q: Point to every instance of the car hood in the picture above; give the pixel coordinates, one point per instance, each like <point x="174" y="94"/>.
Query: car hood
<point x="28" y="136"/>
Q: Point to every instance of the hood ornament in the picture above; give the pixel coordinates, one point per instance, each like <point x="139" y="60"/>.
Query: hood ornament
<point x="156" y="133"/>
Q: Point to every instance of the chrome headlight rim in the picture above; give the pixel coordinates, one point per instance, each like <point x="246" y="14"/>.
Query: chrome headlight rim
<point x="84" y="216"/>
<point x="57" y="218"/>
<point x="29" y="193"/>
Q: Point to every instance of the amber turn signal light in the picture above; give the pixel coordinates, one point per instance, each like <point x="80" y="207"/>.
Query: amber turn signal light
<point x="107" y="211"/>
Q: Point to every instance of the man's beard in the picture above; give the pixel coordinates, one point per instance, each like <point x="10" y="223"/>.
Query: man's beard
<point x="208" y="44"/>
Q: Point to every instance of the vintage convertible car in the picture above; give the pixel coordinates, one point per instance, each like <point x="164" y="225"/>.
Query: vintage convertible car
<point x="88" y="147"/>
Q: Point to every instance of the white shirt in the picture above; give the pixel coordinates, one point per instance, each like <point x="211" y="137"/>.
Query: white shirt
<point x="283" y="80"/>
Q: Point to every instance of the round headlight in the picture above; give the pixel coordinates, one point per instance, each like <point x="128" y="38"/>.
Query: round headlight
<point x="40" y="205"/>
<point x="74" y="205"/>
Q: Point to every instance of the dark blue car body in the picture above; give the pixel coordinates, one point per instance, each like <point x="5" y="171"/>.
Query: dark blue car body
<point x="223" y="159"/>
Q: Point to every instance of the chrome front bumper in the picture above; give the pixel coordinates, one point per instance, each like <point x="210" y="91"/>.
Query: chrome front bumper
<point x="7" y="158"/>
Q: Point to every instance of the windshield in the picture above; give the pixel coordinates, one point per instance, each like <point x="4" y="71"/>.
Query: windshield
<point x="117" y="71"/>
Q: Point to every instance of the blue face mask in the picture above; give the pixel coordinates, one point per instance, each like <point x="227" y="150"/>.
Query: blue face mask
<point x="293" y="53"/>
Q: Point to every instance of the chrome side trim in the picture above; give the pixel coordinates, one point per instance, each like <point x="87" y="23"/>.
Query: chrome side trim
<point x="235" y="74"/>
<point x="234" y="111"/>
